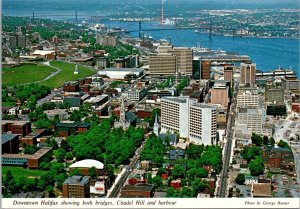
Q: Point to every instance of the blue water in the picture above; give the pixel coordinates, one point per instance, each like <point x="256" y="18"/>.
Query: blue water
<point x="267" y="53"/>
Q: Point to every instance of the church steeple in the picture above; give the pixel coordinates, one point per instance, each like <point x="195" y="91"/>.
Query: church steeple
<point x="122" y="111"/>
<point x="156" y="126"/>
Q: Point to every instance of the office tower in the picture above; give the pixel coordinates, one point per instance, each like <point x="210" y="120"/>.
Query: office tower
<point x="162" y="64"/>
<point x="248" y="74"/>
<point x="196" y="68"/>
<point x="205" y="70"/>
<point x="106" y="40"/>
<point x="228" y="74"/>
<point x="248" y="99"/>
<point x="55" y="39"/>
<point x="184" y="59"/>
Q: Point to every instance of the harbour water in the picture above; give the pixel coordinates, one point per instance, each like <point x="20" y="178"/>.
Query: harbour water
<point x="267" y="53"/>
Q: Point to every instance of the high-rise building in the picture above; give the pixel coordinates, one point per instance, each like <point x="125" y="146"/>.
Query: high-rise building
<point x="184" y="59"/>
<point x="205" y="70"/>
<point x="22" y="41"/>
<point x="55" y="39"/>
<point x="189" y="119"/>
<point x="162" y="64"/>
<point x="76" y="187"/>
<point x="106" y="40"/>
<point x="13" y="42"/>
<point x="248" y="74"/>
<point x="196" y="68"/>
<point x="228" y="74"/>
<point x="219" y="94"/>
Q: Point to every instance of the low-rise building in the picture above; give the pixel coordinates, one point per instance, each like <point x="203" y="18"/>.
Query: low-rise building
<point x="67" y="128"/>
<point x="22" y="128"/>
<point x="261" y="190"/>
<point x="10" y="143"/>
<point x="62" y="114"/>
<point x="138" y="190"/>
<point x="32" y="161"/>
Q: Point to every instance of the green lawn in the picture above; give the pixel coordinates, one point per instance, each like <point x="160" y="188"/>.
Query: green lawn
<point x="67" y="74"/>
<point x="25" y="74"/>
<point x="20" y="172"/>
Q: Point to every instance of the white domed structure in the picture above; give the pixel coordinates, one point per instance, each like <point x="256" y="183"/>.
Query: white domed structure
<point x="88" y="163"/>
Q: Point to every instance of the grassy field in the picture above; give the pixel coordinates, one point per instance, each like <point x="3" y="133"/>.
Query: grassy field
<point x="67" y="74"/>
<point x="25" y="74"/>
<point x="20" y="172"/>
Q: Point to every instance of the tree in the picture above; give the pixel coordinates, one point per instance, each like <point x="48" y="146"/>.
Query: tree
<point x="69" y="156"/>
<point x="256" y="139"/>
<point x="283" y="144"/>
<point x="45" y="166"/>
<point x="240" y="179"/>
<point x="75" y="172"/>
<point x="196" y="173"/>
<point x="157" y="181"/>
<point x="250" y="153"/>
<point x="177" y="172"/>
<point x="256" y="166"/>
<point x="30" y="149"/>
<point x="76" y="115"/>
<point x="199" y="185"/>
<point x="12" y="186"/>
<point x="64" y="145"/>
<point x="194" y="151"/>
<point x="92" y="172"/>
<point x="271" y="141"/>
<point x="8" y="178"/>
<point x="265" y="140"/>
<point x="60" y="155"/>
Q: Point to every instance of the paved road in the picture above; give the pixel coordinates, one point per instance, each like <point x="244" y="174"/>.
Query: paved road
<point x="115" y="192"/>
<point x="228" y="148"/>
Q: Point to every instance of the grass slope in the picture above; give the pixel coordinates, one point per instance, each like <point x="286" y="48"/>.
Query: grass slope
<point x="67" y="74"/>
<point x="19" y="172"/>
<point x="25" y="74"/>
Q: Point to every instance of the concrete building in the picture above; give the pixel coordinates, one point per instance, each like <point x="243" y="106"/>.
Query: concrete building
<point x="203" y="124"/>
<point x="138" y="190"/>
<point x="62" y="114"/>
<point x="274" y="95"/>
<point x="248" y="74"/>
<point x="248" y="99"/>
<point x="186" y="117"/>
<point x="219" y="94"/>
<point x="290" y="84"/>
<point x="184" y="59"/>
<point x="101" y="62"/>
<point x="17" y="41"/>
<point x="136" y="94"/>
<point x="162" y="64"/>
<point x="254" y="120"/>
<point x="76" y="187"/>
<point x="106" y="40"/>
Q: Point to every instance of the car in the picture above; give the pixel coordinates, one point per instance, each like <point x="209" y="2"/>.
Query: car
<point x="296" y="182"/>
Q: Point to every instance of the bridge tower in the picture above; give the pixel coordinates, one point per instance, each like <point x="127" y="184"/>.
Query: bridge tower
<point x="76" y="17"/>
<point x="162" y="13"/>
<point x="32" y="14"/>
<point x="140" y="29"/>
<point x="210" y="28"/>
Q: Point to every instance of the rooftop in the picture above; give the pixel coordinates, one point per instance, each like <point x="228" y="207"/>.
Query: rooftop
<point x="15" y="122"/>
<point x="88" y="163"/>
<point x="262" y="190"/>
<point x="77" y="180"/>
<point x="139" y="187"/>
<point x="7" y="137"/>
